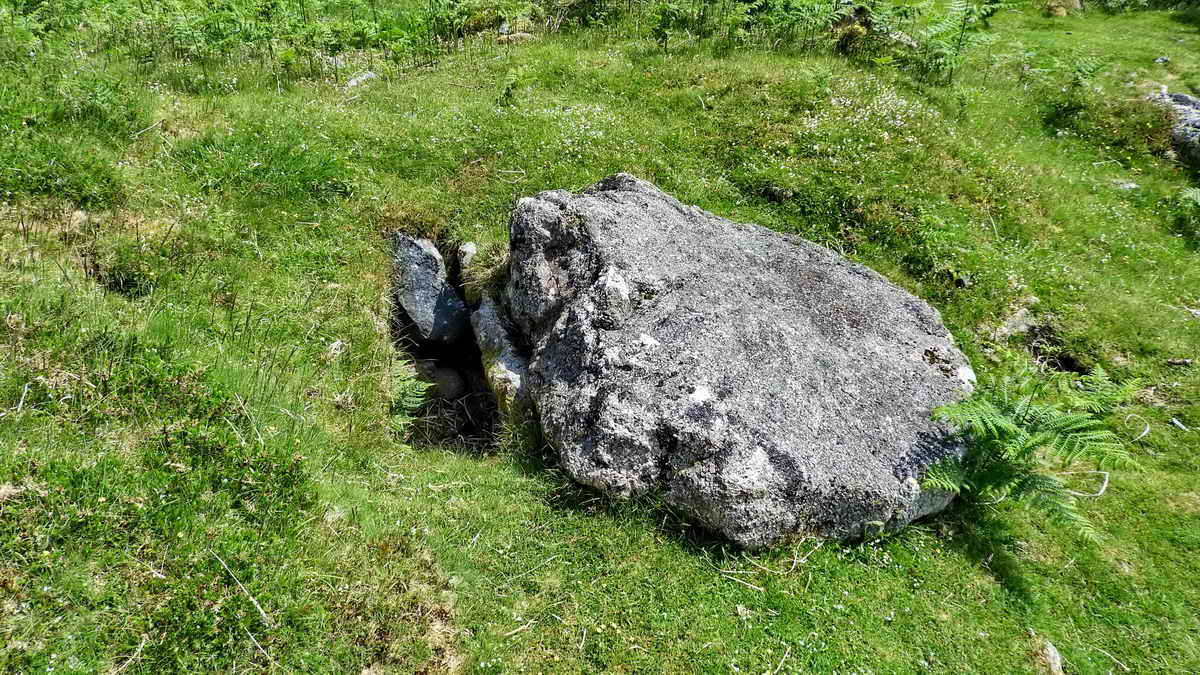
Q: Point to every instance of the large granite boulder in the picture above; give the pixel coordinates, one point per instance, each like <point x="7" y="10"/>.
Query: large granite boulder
<point x="763" y="384"/>
<point x="430" y="311"/>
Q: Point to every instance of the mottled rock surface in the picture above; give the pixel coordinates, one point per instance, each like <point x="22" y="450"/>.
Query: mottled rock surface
<point x="1186" y="132"/>
<point x="430" y="310"/>
<point x="763" y="384"/>
<point x="504" y="367"/>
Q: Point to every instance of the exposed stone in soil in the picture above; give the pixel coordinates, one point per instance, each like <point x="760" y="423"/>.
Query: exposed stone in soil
<point x="431" y="323"/>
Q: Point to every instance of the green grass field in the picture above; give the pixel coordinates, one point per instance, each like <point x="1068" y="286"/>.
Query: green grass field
<point x="193" y="477"/>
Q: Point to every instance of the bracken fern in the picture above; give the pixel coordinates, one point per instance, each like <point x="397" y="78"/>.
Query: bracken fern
<point x="1023" y="431"/>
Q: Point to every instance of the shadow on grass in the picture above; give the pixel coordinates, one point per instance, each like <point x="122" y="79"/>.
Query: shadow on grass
<point x="536" y="458"/>
<point x="979" y="534"/>
<point x="1185" y="221"/>
<point x="988" y="540"/>
<point x="1187" y="17"/>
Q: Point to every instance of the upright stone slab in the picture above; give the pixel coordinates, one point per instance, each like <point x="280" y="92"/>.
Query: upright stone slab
<point x="764" y="384"/>
<point x="432" y="311"/>
<point x="504" y="367"/>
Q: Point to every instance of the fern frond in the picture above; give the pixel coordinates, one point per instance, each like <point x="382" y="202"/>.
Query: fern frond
<point x="1102" y="395"/>
<point x="1017" y="423"/>
<point x="977" y="416"/>
<point x="1191" y="194"/>
<point x="1100" y="447"/>
<point x="949" y="475"/>
<point x="1062" y="423"/>
<point x="1049" y="495"/>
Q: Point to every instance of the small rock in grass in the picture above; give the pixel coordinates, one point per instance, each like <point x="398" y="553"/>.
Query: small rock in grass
<point x="1186" y="133"/>
<point x="336" y="349"/>
<point x="1020" y="321"/>
<point x="466" y="254"/>
<point x="361" y="79"/>
<point x="472" y="284"/>
<point x="515" y="38"/>
<point x="1049" y="657"/>
<point x="1163" y="60"/>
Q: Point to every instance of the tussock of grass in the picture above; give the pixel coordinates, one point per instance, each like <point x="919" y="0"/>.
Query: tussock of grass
<point x="266" y="162"/>
<point x="38" y="164"/>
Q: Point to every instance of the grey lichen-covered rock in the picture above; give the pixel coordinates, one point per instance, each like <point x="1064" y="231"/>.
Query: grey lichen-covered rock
<point x="515" y="38"/>
<point x="431" y="309"/>
<point x="765" y="385"/>
<point x="505" y="369"/>
<point x="361" y="79"/>
<point x="1186" y="132"/>
<point x="467" y="254"/>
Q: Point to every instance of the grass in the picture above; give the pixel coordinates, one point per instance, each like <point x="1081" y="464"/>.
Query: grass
<point x="185" y="236"/>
